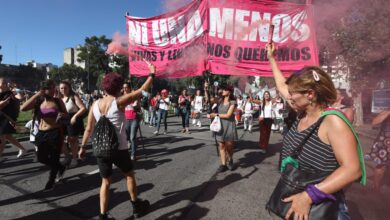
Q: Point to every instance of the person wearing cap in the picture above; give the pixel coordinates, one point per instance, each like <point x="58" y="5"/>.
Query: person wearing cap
<point x="163" y="103"/>
<point x="228" y="134"/>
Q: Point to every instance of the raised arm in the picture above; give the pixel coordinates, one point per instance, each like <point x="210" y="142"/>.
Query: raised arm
<point x="126" y="99"/>
<point x="279" y="78"/>
<point x="29" y="104"/>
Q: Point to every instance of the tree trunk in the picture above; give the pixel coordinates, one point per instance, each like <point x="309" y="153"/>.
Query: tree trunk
<point x="357" y="100"/>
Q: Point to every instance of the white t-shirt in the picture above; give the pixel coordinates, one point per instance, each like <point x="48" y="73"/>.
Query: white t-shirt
<point x="33" y="129"/>
<point x="198" y="103"/>
<point x="163" y="105"/>
<point x="248" y="108"/>
<point x="267" y="112"/>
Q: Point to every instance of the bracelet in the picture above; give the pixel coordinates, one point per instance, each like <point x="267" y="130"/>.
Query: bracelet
<point x="152" y="75"/>
<point x="317" y="196"/>
<point x="83" y="146"/>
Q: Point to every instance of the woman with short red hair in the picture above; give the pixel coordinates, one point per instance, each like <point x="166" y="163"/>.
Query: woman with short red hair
<point x="113" y="107"/>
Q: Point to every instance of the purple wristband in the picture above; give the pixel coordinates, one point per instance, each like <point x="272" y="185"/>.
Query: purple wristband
<point x="317" y="196"/>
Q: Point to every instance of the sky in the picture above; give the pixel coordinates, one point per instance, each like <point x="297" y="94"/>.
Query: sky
<point x="40" y="30"/>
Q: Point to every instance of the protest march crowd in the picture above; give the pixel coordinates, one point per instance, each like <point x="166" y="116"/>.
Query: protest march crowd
<point x="307" y="109"/>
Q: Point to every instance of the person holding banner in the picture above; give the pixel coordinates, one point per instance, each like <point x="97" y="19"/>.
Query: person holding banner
<point x="228" y="134"/>
<point x="331" y="148"/>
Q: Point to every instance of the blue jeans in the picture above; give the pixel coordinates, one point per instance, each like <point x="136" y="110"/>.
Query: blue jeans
<point x="162" y="114"/>
<point x="185" y="118"/>
<point x="152" y="120"/>
<point x="131" y="133"/>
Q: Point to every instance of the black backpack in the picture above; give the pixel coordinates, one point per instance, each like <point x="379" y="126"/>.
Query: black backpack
<point x="104" y="139"/>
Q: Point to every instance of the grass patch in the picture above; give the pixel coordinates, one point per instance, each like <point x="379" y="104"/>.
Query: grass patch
<point x="23" y="118"/>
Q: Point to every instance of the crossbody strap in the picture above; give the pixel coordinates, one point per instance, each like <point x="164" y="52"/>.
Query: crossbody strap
<point x="299" y="149"/>
<point x="363" y="179"/>
<point x="292" y="159"/>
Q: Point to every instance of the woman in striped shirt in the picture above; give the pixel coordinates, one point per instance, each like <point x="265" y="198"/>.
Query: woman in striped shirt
<point x="332" y="147"/>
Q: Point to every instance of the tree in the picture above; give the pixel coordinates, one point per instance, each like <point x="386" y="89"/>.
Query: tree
<point x="74" y="74"/>
<point x="93" y="53"/>
<point x="357" y="30"/>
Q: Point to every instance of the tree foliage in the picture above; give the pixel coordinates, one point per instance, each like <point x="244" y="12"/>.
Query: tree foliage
<point x="360" y="36"/>
<point x="77" y="76"/>
<point x="93" y="53"/>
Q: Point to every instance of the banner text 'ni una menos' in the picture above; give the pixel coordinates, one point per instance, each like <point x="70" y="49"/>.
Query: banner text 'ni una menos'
<point x="226" y="37"/>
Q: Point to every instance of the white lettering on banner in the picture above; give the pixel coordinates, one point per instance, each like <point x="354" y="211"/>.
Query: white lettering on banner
<point x="241" y="24"/>
<point x="284" y="21"/>
<point x="233" y="21"/>
<point x="262" y="29"/>
<point x="144" y="34"/>
<point x="177" y="30"/>
<point x="302" y="30"/>
<point x="194" y="26"/>
<point x="135" y="32"/>
<point x="173" y="31"/>
<point x="219" y="24"/>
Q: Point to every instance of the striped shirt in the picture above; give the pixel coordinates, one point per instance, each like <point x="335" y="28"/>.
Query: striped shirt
<point x="315" y="155"/>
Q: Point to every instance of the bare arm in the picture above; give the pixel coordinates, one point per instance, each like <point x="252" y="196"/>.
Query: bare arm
<point x="228" y="114"/>
<point x="346" y="155"/>
<point x="4" y="102"/>
<point x="80" y="105"/>
<point x="380" y="118"/>
<point x="126" y="99"/>
<point x="29" y="104"/>
<point x="279" y="78"/>
<point x="87" y="133"/>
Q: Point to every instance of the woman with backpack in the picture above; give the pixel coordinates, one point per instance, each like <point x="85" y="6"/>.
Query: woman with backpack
<point x="76" y="109"/>
<point x="50" y="112"/>
<point x="111" y="109"/>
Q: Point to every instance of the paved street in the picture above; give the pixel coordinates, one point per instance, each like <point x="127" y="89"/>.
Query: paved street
<point x="177" y="175"/>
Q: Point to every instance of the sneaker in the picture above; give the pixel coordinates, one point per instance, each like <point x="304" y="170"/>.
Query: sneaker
<point x="21" y="153"/>
<point x="230" y="165"/>
<point x="183" y="131"/>
<point x="151" y="126"/>
<point x="73" y="163"/>
<point x="165" y="132"/>
<point x="263" y="151"/>
<point x="132" y="158"/>
<point x="222" y="168"/>
<point x="156" y="132"/>
<point x="60" y="174"/>
<point x="140" y="207"/>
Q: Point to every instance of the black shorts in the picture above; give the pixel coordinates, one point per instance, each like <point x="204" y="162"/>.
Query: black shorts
<point x="121" y="160"/>
<point x="76" y="129"/>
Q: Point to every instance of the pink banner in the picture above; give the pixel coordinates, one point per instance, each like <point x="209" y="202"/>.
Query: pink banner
<point x="174" y="42"/>
<point x="226" y="37"/>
